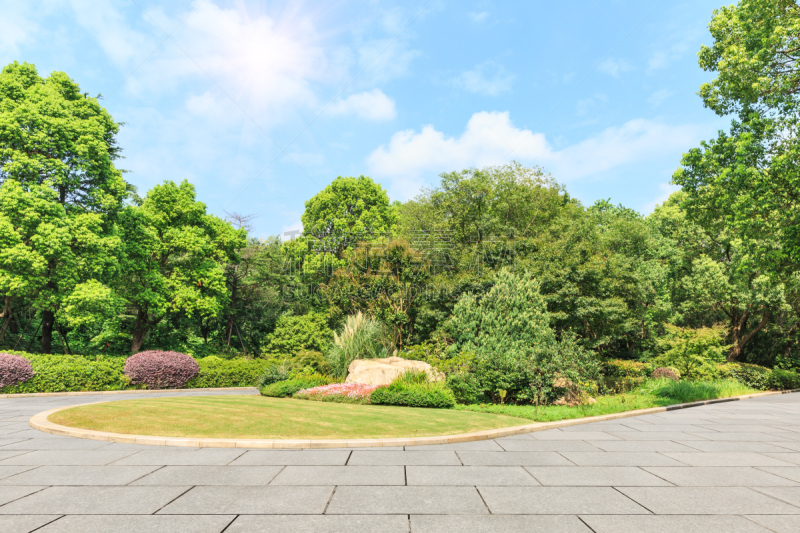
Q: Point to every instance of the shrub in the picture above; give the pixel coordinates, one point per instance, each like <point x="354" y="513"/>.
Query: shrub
<point x="338" y="392"/>
<point x="282" y="389"/>
<point x="161" y="370"/>
<point x="217" y="372"/>
<point x="294" y="334"/>
<point x="665" y="373"/>
<point x="273" y="374"/>
<point x="72" y="373"/>
<point x="688" y="391"/>
<point x="361" y="338"/>
<point x="694" y="352"/>
<point x="785" y="379"/>
<point x="413" y="389"/>
<point x="14" y="370"/>
<point x="626" y="369"/>
<point x="311" y="359"/>
<point x="757" y="377"/>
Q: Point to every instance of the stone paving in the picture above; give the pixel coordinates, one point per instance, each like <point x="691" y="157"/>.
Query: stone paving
<point x="727" y="467"/>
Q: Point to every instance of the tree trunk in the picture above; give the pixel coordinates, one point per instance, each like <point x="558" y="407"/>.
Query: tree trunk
<point x="48" y="320"/>
<point x="139" y="331"/>
<point x="738" y="347"/>
<point x="6" y="315"/>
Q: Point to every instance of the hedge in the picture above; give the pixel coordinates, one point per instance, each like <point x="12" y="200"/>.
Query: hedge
<point x="282" y="389"/>
<point x="217" y="372"/>
<point x="414" y="395"/>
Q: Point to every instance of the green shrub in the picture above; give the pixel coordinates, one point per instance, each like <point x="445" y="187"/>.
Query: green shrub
<point x="693" y="391"/>
<point x="785" y="379"/>
<point x="361" y="338"/>
<point x="757" y="377"/>
<point x="620" y="368"/>
<point x="217" y="372"/>
<point x="619" y="384"/>
<point x="282" y="389"/>
<point x="693" y="352"/>
<point x="72" y="373"/>
<point x="273" y="374"/>
<point x="294" y="334"/>
<point x="311" y="359"/>
<point x="414" y="390"/>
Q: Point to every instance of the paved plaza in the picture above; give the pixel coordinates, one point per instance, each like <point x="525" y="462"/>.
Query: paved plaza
<point x="727" y="467"/>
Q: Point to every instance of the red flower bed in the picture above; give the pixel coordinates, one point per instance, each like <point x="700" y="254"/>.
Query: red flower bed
<point x="339" y="392"/>
<point x="14" y="370"/>
<point x="161" y="370"/>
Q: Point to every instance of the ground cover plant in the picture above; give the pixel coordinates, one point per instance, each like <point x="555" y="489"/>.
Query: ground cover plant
<point x="259" y="417"/>
<point x="339" y="392"/>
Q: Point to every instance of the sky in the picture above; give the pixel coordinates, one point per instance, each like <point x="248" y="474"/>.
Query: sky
<point x="261" y="104"/>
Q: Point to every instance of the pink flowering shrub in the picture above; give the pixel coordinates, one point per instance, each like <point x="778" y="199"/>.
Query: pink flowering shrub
<point x="338" y="392"/>
<point x="161" y="370"/>
<point x="14" y="370"/>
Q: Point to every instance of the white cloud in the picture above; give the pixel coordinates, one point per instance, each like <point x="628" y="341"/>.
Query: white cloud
<point x="584" y="106"/>
<point x="658" y="97"/>
<point x="478" y="17"/>
<point x="614" y="67"/>
<point x="372" y="105"/>
<point x="487" y="79"/>
<point x="666" y="190"/>
<point x="491" y="138"/>
<point x="120" y="42"/>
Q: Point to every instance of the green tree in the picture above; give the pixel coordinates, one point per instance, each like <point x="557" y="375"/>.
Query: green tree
<point x="173" y="257"/>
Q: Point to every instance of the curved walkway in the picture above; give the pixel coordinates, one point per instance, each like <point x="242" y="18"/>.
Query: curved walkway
<point x="725" y="467"/>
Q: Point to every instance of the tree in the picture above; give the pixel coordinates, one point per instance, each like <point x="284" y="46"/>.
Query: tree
<point x="347" y="211"/>
<point x="173" y="255"/>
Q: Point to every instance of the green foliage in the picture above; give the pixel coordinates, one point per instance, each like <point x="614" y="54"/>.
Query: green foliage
<point x="71" y="373"/>
<point x="218" y="372"/>
<point x="785" y="379"/>
<point x="361" y="338"/>
<point x="693" y="391"/>
<point x="283" y="389"/>
<point x="414" y="390"/>
<point x="753" y="376"/>
<point x="624" y="369"/>
<point x="294" y="334"/>
<point x="273" y="374"/>
<point x="694" y="352"/>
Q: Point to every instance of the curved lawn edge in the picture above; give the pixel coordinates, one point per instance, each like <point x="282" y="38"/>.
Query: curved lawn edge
<point x="40" y="421"/>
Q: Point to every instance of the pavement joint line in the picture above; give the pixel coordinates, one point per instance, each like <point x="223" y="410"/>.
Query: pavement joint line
<point x="483" y="500"/>
<point x="585" y="524"/>
<point x="173" y="499"/>
<point x="48" y="523"/>
<point x="330" y="499"/>
<point x="229" y="524"/>
<point x="634" y="501"/>
<point x="40" y="422"/>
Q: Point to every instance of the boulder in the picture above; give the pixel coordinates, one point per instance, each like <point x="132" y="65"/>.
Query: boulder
<point x="384" y="371"/>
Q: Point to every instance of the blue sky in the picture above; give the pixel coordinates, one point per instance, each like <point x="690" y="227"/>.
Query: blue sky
<point x="262" y="104"/>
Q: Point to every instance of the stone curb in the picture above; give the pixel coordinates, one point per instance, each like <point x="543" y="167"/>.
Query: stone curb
<point x="40" y="422"/>
<point x="126" y="391"/>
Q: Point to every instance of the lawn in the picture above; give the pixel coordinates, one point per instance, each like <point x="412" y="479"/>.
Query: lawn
<point x="259" y="417"/>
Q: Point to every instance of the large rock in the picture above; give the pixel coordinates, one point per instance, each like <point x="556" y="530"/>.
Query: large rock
<point x="384" y="371"/>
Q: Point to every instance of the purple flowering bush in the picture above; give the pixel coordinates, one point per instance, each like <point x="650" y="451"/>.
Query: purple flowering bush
<point x="14" y="370"/>
<point x="161" y="370"/>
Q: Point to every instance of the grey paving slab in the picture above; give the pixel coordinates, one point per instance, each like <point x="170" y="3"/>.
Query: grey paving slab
<point x="6" y="441"/>
<point x="789" y="495"/>
<point x="8" y="470"/>
<point x="621" y="459"/>
<point x="639" y="446"/>
<point x="513" y="459"/>
<point x="478" y="446"/>
<point x="164" y="455"/>
<point x="138" y="524"/>
<point x="724" y="446"/>
<point x="777" y="523"/>
<point x="658" y="435"/>
<point x="24" y="523"/>
<point x="319" y="524"/>
<point x="557" y="434"/>
<point x="9" y="494"/>
<point x="707" y="500"/>
<point x="786" y="445"/>
<point x="595" y="476"/>
<point x="741" y="437"/>
<point x="405" y="458"/>
<point x="533" y="445"/>
<point x="671" y="524"/>
<point x="788" y="472"/>
<point x="495" y="523"/>
<point x="341" y="475"/>
<point x="8" y="454"/>
<point x="250" y="500"/>
<point x="64" y="457"/>
<point x="725" y="459"/>
<point x="788" y="457"/>
<point x="209" y="475"/>
<point x="558" y="500"/>
<point x="79" y="475"/>
<point x="94" y="500"/>
<point x="63" y="443"/>
<point x="719" y="476"/>
<point x="292" y="457"/>
<point x="469" y="475"/>
<point x="407" y="500"/>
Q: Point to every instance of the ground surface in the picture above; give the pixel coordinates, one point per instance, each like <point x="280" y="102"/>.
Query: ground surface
<point x="259" y="417"/>
<point x="728" y="467"/>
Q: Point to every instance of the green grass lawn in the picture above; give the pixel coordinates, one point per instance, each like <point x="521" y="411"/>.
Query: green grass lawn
<point x="655" y="393"/>
<point x="259" y="417"/>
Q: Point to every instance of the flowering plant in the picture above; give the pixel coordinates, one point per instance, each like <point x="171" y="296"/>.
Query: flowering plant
<point x="338" y="392"/>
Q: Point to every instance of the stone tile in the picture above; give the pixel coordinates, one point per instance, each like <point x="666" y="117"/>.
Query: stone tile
<point x="738" y="428"/>
<point x="251" y="500"/>
<point x="706" y="500"/>
<point x="469" y="475"/>
<point x="670" y="524"/>
<point x="790" y="495"/>
<point x="786" y="445"/>
<point x="602" y="426"/>
<point x="513" y="459"/>
<point x="7" y="441"/>
<point x="319" y="524"/>
<point x="341" y="475"/>
<point x="682" y="428"/>
<point x="24" y="523"/>
<point x="138" y="524"/>
<point x="724" y="459"/>
<point x="56" y="444"/>
<point x="777" y="523"/>
<point x="640" y="446"/>
<point x="163" y="455"/>
<point x="719" y="476"/>
<point x="94" y="500"/>
<point x="79" y="475"/>
<point x="211" y="475"/>
<point x="558" y="500"/>
<point x="657" y="435"/>
<point x="293" y="457"/>
<point x="556" y="434"/>
<point x="6" y="455"/>
<point x="9" y="494"/>
<point x="495" y="523"/>
<point x="620" y="459"/>
<point x="599" y="476"/>
<point x="405" y="458"/>
<point x="789" y="457"/>
<point x="788" y="472"/>
<point x="6" y="471"/>
<point x="406" y="500"/>
<point x="740" y="437"/>
<point x="723" y="446"/>
<point x="65" y="457"/>
<point x="476" y="446"/>
<point x="533" y="445"/>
